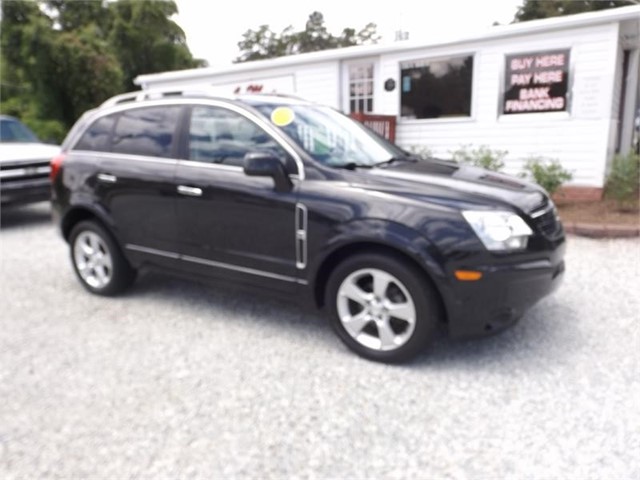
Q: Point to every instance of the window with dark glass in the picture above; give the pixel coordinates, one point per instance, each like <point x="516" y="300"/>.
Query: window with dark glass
<point x="147" y="131"/>
<point x="536" y="82"/>
<point x="436" y="88"/>
<point x="217" y="135"/>
<point x="96" y="137"/>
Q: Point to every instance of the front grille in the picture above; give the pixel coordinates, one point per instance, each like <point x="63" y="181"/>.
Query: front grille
<point x="545" y="218"/>
<point x="20" y="172"/>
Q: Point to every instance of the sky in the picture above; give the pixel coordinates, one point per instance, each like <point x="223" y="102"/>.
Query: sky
<point x="213" y="31"/>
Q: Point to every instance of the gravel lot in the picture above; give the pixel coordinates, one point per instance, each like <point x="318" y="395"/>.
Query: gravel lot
<point x="179" y="380"/>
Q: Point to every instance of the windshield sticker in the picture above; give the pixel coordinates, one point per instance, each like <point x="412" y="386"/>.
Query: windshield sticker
<point x="282" y="116"/>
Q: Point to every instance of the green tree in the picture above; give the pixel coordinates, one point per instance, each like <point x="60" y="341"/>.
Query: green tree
<point x="146" y="40"/>
<point x="26" y="43"/>
<point x="86" y="72"/>
<point x="72" y="15"/>
<point x="61" y="57"/>
<point x="535" y="9"/>
<point x="263" y="43"/>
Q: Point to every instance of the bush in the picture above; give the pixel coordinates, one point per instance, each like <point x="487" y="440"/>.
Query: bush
<point x="483" y="157"/>
<point x="420" y="151"/>
<point x="623" y="181"/>
<point x="546" y="172"/>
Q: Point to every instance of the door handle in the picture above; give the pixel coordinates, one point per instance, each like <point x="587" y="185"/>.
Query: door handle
<point x="107" y="178"/>
<point x="190" y="191"/>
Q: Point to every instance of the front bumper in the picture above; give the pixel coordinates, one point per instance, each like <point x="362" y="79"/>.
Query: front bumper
<point x="503" y="295"/>
<point x="25" y="191"/>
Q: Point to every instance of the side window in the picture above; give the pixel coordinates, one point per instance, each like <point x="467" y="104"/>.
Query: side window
<point x="96" y="137"/>
<point x="217" y="135"/>
<point x="147" y="131"/>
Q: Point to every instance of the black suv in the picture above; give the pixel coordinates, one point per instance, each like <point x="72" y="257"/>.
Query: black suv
<point x="281" y="194"/>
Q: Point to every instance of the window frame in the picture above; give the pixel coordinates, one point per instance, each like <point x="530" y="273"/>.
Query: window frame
<point x="550" y="115"/>
<point x="245" y="110"/>
<point x="346" y="85"/>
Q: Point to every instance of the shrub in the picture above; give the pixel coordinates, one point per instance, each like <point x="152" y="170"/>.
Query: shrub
<point x="482" y="156"/>
<point x="623" y="180"/>
<point x="420" y="151"/>
<point x="546" y="172"/>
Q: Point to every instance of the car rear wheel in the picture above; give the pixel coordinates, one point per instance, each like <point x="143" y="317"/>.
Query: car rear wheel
<point x="98" y="261"/>
<point x="382" y="307"/>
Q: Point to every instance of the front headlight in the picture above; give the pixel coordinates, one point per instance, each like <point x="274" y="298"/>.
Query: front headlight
<point x="499" y="230"/>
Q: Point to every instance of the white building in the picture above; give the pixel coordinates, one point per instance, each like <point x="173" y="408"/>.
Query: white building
<point x="564" y="88"/>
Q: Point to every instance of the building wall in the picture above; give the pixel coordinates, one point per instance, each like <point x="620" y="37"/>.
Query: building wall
<point x="315" y="81"/>
<point x="580" y="138"/>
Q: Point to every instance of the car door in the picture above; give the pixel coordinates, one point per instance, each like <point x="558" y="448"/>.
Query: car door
<point x="133" y="179"/>
<point x="231" y="224"/>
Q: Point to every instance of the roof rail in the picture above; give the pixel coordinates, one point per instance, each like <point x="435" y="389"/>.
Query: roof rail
<point x="275" y="94"/>
<point x="157" y="93"/>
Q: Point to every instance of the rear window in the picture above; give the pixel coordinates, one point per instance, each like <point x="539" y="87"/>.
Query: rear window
<point x="96" y="137"/>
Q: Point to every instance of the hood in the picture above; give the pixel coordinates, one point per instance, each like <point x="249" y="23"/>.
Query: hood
<point x="25" y="152"/>
<point x="451" y="184"/>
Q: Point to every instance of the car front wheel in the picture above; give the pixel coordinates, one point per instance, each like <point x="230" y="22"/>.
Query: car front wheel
<point x="382" y="307"/>
<point x="98" y="261"/>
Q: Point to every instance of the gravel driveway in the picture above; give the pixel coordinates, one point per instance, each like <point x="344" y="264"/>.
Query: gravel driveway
<point x="181" y="380"/>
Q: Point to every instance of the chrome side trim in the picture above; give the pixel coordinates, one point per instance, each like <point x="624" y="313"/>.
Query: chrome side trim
<point x="301" y="235"/>
<point x="221" y="166"/>
<point x="189" y="191"/>
<point x="152" y="251"/>
<point x="124" y="156"/>
<point x="107" y="178"/>
<point x="212" y="166"/>
<point x="212" y="263"/>
<point x="541" y="212"/>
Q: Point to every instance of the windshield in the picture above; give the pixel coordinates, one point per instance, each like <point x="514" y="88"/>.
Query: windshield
<point x="328" y="136"/>
<point x="14" y="131"/>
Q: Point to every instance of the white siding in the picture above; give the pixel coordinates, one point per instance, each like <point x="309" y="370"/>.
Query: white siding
<point x="317" y="81"/>
<point x="320" y="82"/>
<point x="579" y="139"/>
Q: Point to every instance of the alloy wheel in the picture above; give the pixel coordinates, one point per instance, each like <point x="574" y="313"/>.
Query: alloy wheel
<point x="93" y="259"/>
<point x="376" y="309"/>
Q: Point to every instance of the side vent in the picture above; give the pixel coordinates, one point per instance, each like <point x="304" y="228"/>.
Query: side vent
<point x="301" y="236"/>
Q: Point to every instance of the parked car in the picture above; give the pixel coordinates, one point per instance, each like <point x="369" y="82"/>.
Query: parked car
<point x="24" y="164"/>
<point x="283" y="195"/>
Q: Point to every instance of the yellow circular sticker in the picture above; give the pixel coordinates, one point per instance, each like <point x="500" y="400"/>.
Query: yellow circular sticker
<point x="282" y="116"/>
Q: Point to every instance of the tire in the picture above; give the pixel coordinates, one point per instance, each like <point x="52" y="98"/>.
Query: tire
<point x="382" y="307"/>
<point x="98" y="260"/>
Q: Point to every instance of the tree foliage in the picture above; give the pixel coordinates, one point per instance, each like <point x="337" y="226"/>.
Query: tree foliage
<point x="535" y="9"/>
<point x="263" y="43"/>
<point x="62" y="57"/>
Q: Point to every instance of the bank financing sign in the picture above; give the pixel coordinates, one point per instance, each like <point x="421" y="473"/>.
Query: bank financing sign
<point x="536" y="82"/>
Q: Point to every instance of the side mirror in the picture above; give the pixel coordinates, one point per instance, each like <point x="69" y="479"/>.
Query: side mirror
<point x="259" y="164"/>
